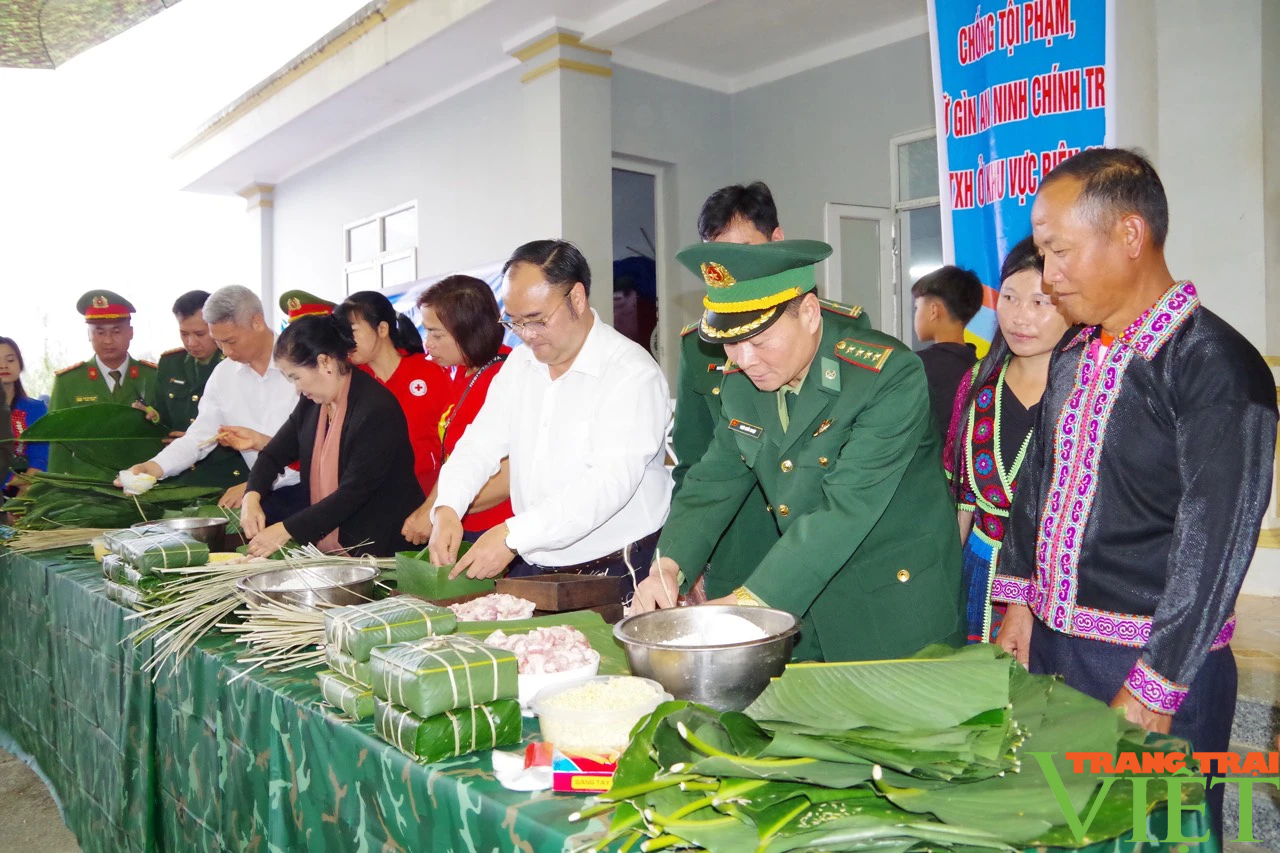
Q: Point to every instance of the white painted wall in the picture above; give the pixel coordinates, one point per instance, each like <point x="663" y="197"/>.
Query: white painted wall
<point x="823" y="135"/>
<point x="463" y="161"/>
<point x="1211" y="154"/>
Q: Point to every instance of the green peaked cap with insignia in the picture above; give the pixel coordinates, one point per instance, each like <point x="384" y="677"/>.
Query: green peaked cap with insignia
<point x="104" y="306"/>
<point x="747" y="285"/>
<point x="299" y="303"/>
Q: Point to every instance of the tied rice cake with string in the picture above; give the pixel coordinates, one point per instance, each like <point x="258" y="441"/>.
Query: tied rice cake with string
<point x="437" y="674"/>
<point x="347" y="666"/>
<point x="116" y="570"/>
<point x="449" y="734"/>
<point x="164" y="550"/>
<point x="126" y="595"/>
<point x="115" y="540"/>
<point x="357" y="629"/>
<point x="352" y="699"/>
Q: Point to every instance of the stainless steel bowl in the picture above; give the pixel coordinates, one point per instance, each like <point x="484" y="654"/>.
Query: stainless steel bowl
<point x="728" y="677"/>
<point x="210" y="531"/>
<point x="338" y="585"/>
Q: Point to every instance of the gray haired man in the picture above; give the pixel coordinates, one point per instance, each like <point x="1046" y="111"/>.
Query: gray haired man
<point x="246" y="399"/>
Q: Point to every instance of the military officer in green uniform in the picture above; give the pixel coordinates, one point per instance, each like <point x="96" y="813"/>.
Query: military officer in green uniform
<point x="299" y="303"/>
<point x="181" y="375"/>
<point x="733" y="214"/>
<point x="833" y="422"/>
<point x="111" y="376"/>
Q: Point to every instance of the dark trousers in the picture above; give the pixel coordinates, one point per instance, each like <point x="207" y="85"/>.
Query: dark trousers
<point x="1100" y="669"/>
<point x="639" y="554"/>
<point x="284" y="502"/>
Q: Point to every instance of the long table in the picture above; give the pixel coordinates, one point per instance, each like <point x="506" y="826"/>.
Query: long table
<point x="196" y="761"/>
<point x="207" y="758"/>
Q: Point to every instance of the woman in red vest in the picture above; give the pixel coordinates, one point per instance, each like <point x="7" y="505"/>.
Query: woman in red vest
<point x="389" y="349"/>
<point x="460" y="314"/>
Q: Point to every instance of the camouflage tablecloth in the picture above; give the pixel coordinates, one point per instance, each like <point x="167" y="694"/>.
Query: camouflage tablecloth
<point x="197" y="761"/>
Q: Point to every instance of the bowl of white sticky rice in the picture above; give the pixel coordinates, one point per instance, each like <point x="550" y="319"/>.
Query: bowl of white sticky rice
<point x="719" y="655"/>
<point x="595" y="716"/>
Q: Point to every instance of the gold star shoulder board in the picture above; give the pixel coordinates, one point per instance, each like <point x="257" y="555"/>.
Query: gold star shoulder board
<point x="840" y="308"/>
<point x="78" y="364"/>
<point x="868" y="356"/>
<point x="730" y="367"/>
<point x="173" y="351"/>
<point x="692" y="327"/>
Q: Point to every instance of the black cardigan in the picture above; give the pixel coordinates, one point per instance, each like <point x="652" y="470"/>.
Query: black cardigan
<point x="377" y="489"/>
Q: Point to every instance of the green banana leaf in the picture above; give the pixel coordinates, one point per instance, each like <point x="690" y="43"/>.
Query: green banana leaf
<point x="693" y="778"/>
<point x="108" y="435"/>
<point x="55" y="500"/>
<point x="919" y="693"/>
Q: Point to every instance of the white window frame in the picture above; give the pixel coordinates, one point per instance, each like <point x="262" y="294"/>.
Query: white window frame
<point x="383" y="257"/>
<point x="902" y="224"/>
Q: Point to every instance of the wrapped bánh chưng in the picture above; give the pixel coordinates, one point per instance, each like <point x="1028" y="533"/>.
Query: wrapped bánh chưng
<point x="164" y="551"/>
<point x="356" y="630"/>
<point x="437" y="674"/>
<point x="126" y="595"/>
<point x="126" y="575"/>
<point x="354" y="700"/>
<point x="452" y="733"/>
<point x="114" y="540"/>
<point x="347" y="666"/>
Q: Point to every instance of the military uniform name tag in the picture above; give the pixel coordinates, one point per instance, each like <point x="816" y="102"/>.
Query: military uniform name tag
<point x="744" y="428"/>
<point x="177" y="381"/>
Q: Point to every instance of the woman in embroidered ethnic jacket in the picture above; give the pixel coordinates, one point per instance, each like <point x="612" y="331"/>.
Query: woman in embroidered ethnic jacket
<point x="995" y="406"/>
<point x="1146" y="481"/>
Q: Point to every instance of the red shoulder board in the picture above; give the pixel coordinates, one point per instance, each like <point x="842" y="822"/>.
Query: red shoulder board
<point x="71" y="368"/>
<point x="692" y="327"/>
<point x="868" y="356"/>
<point x="730" y="367"/>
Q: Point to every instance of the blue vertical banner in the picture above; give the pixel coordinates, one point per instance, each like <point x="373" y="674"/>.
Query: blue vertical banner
<point x="1019" y="86"/>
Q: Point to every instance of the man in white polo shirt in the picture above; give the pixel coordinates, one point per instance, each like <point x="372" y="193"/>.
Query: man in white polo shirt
<point x="245" y="401"/>
<point x="581" y="411"/>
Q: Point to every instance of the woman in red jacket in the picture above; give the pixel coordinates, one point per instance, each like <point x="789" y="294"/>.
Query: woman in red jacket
<point x="461" y="316"/>
<point x="389" y="349"/>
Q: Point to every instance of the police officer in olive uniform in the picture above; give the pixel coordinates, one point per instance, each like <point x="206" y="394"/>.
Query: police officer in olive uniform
<point x="299" y="303"/>
<point x="832" y="420"/>
<point x="181" y="375"/>
<point x="111" y="376"/>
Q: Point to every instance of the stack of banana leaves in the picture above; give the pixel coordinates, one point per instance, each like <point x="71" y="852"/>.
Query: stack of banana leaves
<point x="109" y="437"/>
<point x="929" y="753"/>
<point x="56" y="501"/>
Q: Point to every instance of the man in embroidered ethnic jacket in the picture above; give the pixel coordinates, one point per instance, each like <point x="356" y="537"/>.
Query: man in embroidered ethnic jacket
<point x="832" y="421"/>
<point x="1139" y="507"/>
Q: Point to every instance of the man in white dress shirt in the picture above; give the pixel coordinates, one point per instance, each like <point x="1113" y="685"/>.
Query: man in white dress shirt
<point x="245" y="401"/>
<point x="581" y="412"/>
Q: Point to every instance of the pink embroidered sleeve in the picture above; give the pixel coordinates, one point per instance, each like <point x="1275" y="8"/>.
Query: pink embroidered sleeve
<point x="1153" y="690"/>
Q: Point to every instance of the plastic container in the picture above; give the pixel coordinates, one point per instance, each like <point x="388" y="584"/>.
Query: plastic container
<point x="99" y="548"/>
<point x="588" y="728"/>
<point x="533" y="684"/>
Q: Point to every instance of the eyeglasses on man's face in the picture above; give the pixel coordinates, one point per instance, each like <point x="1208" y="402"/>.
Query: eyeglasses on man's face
<point x="533" y="327"/>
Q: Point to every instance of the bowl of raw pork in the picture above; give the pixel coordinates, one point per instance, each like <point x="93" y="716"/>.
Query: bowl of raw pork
<point x="719" y="655"/>
<point x="547" y="656"/>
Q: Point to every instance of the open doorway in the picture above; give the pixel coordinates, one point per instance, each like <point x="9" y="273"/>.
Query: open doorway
<point x="635" y="252"/>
